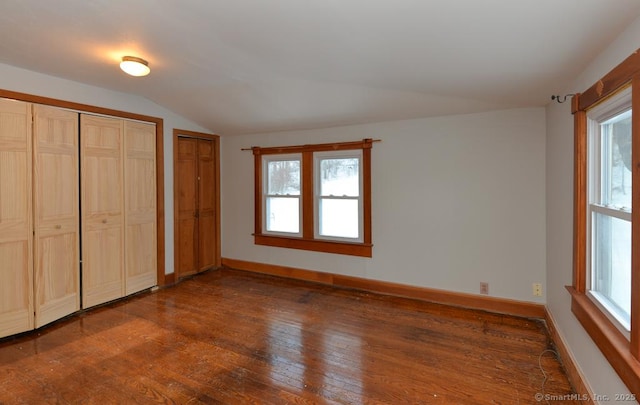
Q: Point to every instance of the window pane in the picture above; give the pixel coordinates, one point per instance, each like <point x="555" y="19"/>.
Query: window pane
<point x="616" y="161"/>
<point x="283" y="214"/>
<point x="612" y="262"/>
<point x="340" y="177"/>
<point x="338" y="218"/>
<point x="283" y="177"/>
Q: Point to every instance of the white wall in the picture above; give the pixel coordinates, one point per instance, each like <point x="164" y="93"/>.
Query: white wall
<point x="456" y="200"/>
<point x="559" y="182"/>
<point x="25" y="81"/>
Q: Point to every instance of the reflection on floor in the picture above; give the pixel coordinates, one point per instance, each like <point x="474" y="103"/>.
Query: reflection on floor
<point x="234" y="337"/>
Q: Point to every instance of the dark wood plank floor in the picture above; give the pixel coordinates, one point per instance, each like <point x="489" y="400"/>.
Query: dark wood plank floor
<point x="233" y="337"/>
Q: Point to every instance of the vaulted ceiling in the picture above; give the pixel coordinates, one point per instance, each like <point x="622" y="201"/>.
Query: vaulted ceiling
<point x="247" y="66"/>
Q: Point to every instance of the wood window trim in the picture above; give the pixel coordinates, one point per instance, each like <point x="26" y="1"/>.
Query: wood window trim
<point x="307" y="241"/>
<point x="30" y="98"/>
<point x="621" y="353"/>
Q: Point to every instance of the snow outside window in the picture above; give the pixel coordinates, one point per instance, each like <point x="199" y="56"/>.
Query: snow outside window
<point x="338" y="195"/>
<point x="281" y="194"/>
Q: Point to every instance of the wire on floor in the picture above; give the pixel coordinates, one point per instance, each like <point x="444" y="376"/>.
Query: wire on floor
<point x="544" y="374"/>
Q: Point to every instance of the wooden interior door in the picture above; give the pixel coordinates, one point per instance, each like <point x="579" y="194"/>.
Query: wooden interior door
<point x="187" y="207"/>
<point x="102" y="207"/>
<point x="206" y="204"/>
<point x="16" y="242"/>
<point x="140" y="206"/>
<point x="56" y="214"/>
<point x="196" y="200"/>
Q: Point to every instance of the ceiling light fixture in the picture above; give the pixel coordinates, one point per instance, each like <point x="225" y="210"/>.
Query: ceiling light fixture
<point x="134" y="66"/>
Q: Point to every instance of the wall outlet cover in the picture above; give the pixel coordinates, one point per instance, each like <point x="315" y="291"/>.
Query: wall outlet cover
<point x="484" y="288"/>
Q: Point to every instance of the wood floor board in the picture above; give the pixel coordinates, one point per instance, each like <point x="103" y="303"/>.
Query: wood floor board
<point x="232" y="337"/>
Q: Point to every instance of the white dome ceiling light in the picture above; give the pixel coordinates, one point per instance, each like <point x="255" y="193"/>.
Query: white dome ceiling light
<point x="134" y="66"/>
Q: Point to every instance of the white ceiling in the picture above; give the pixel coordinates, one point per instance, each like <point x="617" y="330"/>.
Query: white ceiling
<point x="246" y="66"/>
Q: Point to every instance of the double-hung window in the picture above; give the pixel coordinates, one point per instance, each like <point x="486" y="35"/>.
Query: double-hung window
<point x="609" y="207"/>
<point x="315" y="197"/>
<point x="338" y="196"/>
<point x="282" y="199"/>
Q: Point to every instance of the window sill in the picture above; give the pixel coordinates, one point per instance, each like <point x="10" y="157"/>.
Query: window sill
<point x="316" y="245"/>
<point x="613" y="344"/>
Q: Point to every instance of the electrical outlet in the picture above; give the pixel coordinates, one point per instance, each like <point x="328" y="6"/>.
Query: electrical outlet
<point x="484" y="288"/>
<point x="537" y="290"/>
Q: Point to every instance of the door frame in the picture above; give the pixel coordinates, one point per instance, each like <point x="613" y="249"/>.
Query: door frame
<point x="79" y="107"/>
<point x="183" y="133"/>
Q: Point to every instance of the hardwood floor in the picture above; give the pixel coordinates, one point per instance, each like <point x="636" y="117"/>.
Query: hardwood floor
<point x="233" y="337"/>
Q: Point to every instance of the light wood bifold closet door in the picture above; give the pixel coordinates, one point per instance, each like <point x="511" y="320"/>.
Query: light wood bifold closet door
<point x="102" y="207"/>
<point x="56" y="213"/>
<point x="16" y="243"/>
<point x="78" y="212"/>
<point x="119" y="229"/>
<point x="140" y="206"/>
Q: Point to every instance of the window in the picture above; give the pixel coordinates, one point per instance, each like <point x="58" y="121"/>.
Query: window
<point x="605" y="295"/>
<point x="338" y="196"/>
<point x="315" y="197"/>
<point x="609" y="216"/>
<point x="281" y="194"/>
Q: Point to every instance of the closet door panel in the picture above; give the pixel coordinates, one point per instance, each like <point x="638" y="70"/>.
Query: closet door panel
<point x="102" y="210"/>
<point x="187" y="221"/>
<point x="206" y="205"/>
<point x="102" y="278"/>
<point x="56" y="214"/>
<point x="16" y="255"/>
<point x="16" y="313"/>
<point x="141" y="268"/>
<point x="140" y="206"/>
